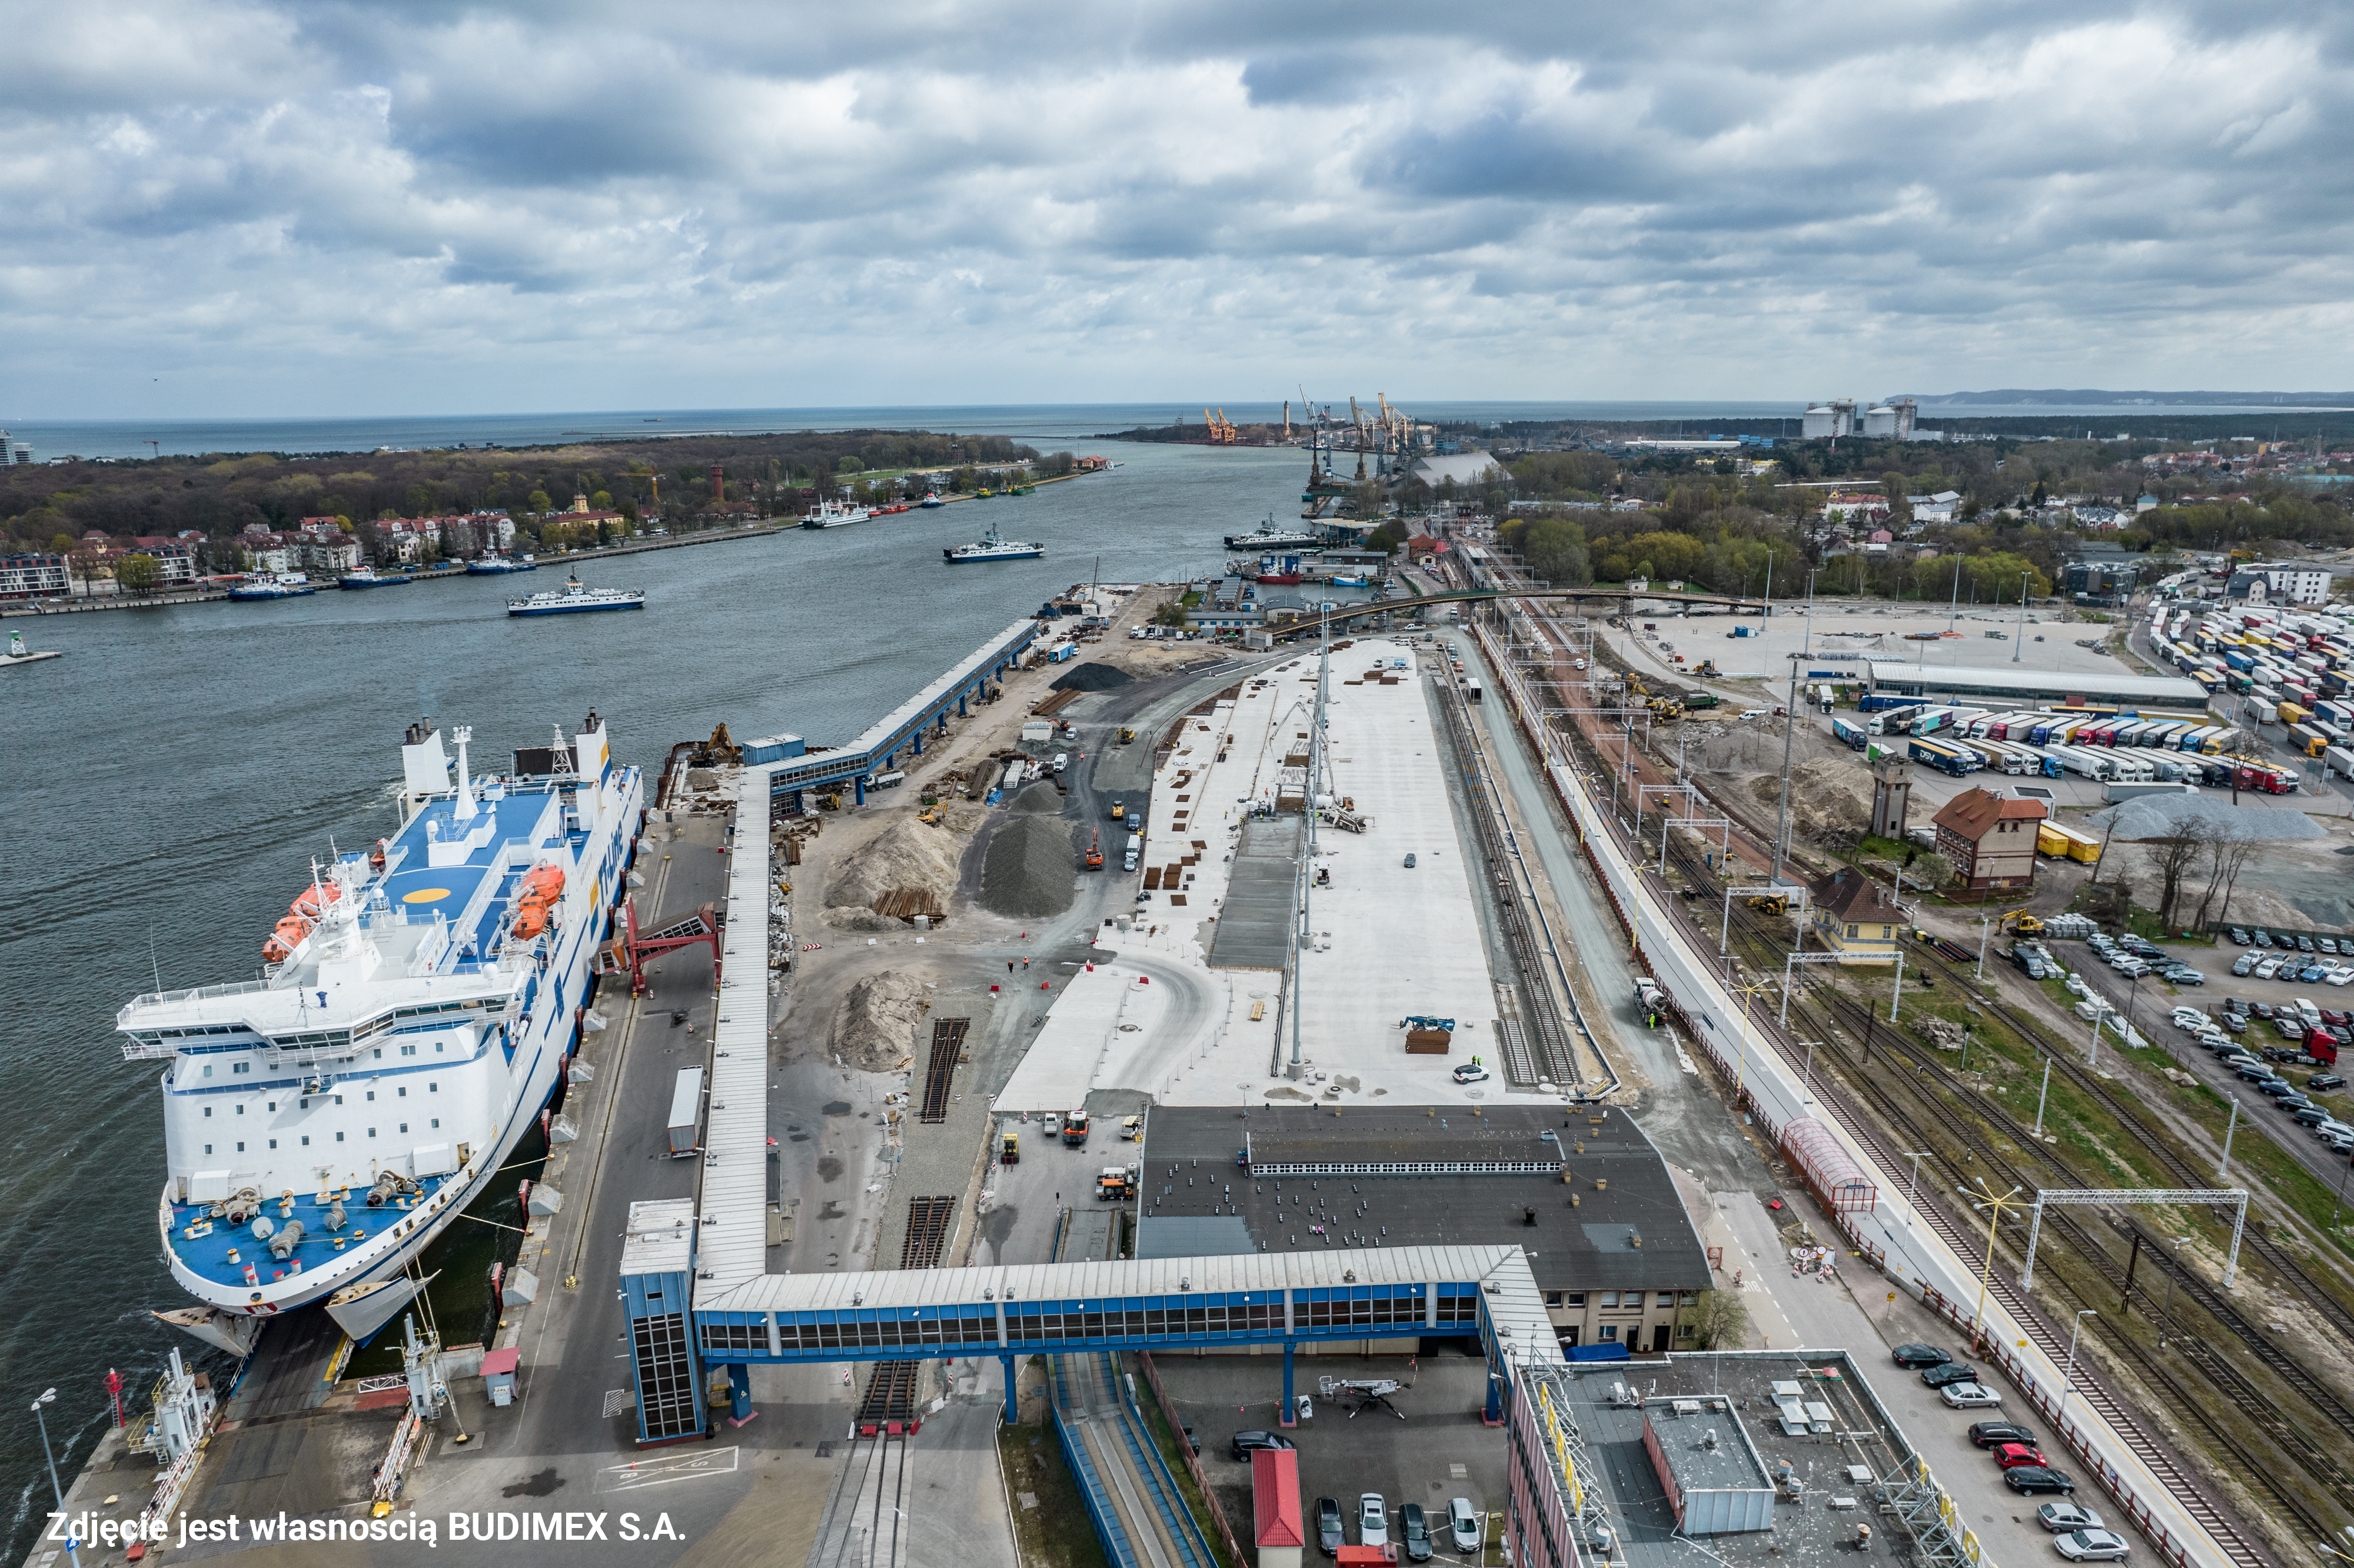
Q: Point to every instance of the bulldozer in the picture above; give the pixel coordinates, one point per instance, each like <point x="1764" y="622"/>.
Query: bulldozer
<point x="1126" y="736"/>
<point x="1119" y="811"/>
<point x="1769" y="903"/>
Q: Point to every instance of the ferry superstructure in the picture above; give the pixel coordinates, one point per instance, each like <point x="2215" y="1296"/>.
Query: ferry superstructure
<point x="419" y="1001"/>
<point x="991" y="548"/>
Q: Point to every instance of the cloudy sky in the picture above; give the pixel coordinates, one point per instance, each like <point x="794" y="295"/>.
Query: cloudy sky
<point x="216" y="207"/>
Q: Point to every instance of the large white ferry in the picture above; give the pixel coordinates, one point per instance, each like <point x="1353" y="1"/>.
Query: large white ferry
<point x="835" y="514"/>
<point x="417" y="1004"/>
<point x="991" y="548"/>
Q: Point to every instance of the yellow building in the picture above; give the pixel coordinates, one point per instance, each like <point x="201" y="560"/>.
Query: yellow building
<point x="1853" y="914"/>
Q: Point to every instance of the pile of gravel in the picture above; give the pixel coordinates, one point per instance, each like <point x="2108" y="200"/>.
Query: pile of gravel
<point x="1031" y="866"/>
<point x="1039" y="798"/>
<point x="1092" y="678"/>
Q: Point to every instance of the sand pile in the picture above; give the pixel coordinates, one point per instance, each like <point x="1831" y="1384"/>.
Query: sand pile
<point x="1092" y="677"/>
<point x="1031" y="865"/>
<point x="874" y="1027"/>
<point x="907" y="854"/>
<point x="1827" y="796"/>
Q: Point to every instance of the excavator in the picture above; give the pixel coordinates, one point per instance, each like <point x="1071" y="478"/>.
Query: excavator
<point x="1095" y="851"/>
<point x="1770" y="903"/>
<point x="2019" y="923"/>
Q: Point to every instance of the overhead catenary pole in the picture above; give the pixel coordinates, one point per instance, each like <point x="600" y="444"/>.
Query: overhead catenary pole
<point x="2018" y="644"/>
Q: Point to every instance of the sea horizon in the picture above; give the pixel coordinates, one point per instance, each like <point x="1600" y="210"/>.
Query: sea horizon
<point x="357" y="434"/>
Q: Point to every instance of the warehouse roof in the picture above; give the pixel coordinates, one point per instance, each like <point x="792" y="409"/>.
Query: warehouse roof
<point x="1581" y="1187"/>
<point x="1963" y="679"/>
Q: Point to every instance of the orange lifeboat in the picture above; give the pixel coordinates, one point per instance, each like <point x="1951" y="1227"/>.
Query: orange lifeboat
<point x="376" y="855"/>
<point x="291" y="929"/>
<point x="313" y="899"/>
<point x="530" y="916"/>
<point x="542" y="885"/>
<point x="547" y="880"/>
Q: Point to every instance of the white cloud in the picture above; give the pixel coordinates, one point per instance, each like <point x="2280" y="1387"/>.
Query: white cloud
<point x="269" y="209"/>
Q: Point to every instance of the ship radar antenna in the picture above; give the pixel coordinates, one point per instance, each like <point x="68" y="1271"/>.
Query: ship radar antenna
<point x="464" y="811"/>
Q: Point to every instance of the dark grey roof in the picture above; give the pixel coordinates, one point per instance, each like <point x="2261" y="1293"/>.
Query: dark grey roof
<point x="1617" y="1189"/>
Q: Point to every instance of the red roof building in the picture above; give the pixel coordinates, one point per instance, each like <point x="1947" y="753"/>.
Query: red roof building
<point x="1989" y="838"/>
<point x="1278" y="1527"/>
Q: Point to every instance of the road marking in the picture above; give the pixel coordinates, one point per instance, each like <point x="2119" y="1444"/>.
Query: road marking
<point x="662" y="1471"/>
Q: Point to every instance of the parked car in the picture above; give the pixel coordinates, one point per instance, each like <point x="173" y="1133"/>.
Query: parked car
<point x="1373" y="1521"/>
<point x="2262" y="1008"/>
<point x="1330" y="1534"/>
<point x="1968" y="1396"/>
<point x="2090" y="1545"/>
<point x="2010" y="1454"/>
<point x="1986" y="1434"/>
<point x="1245" y="1444"/>
<point x="2244" y="964"/>
<point x="2326" y="944"/>
<point x="2321" y="1083"/>
<point x="1921" y="1356"/>
<point x="2263" y="938"/>
<point x="1413" y="1529"/>
<point x="1470" y="1073"/>
<point x="1950" y="1371"/>
<point x="2304" y="944"/>
<point x="1463" y="1525"/>
<point x="1409" y="862"/>
<point x="2235" y="1024"/>
<point x="2037" y="1479"/>
<point x="2063" y="1516"/>
<point x="2239" y="937"/>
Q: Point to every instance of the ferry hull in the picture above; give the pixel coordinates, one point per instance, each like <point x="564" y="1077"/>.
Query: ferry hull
<point x="577" y="608"/>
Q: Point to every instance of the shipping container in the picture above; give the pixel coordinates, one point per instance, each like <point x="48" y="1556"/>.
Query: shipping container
<point x="685" y="1112"/>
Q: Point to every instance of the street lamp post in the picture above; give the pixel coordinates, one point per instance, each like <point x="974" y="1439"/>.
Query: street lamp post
<point x="1806" y="1077"/>
<point x="2069" y="1386"/>
<point x="1992" y="1207"/>
<point x="2044" y="1094"/>
<point x="50" y="1397"/>
<point x="1985" y="928"/>
<point x="2019" y="642"/>
<point x="1912" y="1186"/>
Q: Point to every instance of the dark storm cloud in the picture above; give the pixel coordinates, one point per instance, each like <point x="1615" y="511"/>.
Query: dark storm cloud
<point x="601" y="199"/>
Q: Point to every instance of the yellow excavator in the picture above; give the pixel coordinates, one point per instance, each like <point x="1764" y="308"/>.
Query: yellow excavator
<point x="2019" y="923"/>
<point x="1770" y="903"/>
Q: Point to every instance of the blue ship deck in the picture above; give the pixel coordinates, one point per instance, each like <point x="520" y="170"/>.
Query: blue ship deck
<point x="421" y="891"/>
<point x="221" y="1252"/>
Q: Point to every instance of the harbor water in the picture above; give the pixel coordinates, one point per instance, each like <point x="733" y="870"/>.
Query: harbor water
<point x="169" y="780"/>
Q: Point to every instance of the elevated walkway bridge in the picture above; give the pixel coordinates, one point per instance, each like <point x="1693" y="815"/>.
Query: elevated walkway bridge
<point x="903" y="728"/>
<point x="1307" y="625"/>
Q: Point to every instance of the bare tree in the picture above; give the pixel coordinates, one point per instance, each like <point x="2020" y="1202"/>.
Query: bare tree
<point x="2172" y="856"/>
<point x="2230" y="863"/>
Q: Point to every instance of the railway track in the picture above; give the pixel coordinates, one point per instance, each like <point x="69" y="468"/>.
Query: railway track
<point x="939" y="1072"/>
<point x="928" y="1232"/>
<point x="2290" y="1442"/>
<point x="865" y="1521"/>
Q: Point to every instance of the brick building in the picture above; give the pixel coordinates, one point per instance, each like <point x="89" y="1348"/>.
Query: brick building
<point x="1989" y="838"/>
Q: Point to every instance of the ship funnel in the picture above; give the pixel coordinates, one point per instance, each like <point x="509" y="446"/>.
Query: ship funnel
<point x="464" y="811"/>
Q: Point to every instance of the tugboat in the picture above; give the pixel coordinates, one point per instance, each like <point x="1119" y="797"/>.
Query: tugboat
<point x="992" y="548"/>
<point x="577" y="598"/>
<point x="499" y="566"/>
<point x="1268" y="537"/>
<point x="931" y="499"/>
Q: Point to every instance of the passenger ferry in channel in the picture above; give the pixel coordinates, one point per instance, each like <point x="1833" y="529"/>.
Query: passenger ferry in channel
<point x="417" y="1001"/>
<point x="992" y="548"/>
<point x="577" y="598"/>
<point x="499" y="566"/>
<point x="835" y="514"/>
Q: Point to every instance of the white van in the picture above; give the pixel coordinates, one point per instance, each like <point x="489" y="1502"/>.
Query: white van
<point x="1062" y="760"/>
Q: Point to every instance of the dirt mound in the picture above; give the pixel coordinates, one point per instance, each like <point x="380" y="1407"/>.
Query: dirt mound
<point x="907" y="854"/>
<point x="1041" y="798"/>
<point x="874" y="1027"/>
<point x="1092" y="677"/>
<point x="1030" y="866"/>
<point x="1827" y="796"/>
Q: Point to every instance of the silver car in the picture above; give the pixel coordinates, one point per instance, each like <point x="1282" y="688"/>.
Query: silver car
<point x="2058" y="1517"/>
<point x="1373" y="1521"/>
<point x="1463" y="1522"/>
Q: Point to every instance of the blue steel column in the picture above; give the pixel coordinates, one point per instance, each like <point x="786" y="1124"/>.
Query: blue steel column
<point x="1013" y="1397"/>
<point x="739" y="1391"/>
<point x="960" y="696"/>
<point x="944" y="716"/>
<point x="919" y="740"/>
<point x="858" y="790"/>
<point x="1290" y="1405"/>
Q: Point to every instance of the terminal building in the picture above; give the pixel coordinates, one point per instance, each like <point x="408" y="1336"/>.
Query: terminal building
<point x="2017" y="684"/>
<point x="1581" y="1188"/>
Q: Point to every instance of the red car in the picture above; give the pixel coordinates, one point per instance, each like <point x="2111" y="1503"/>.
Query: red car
<point x="2008" y="1455"/>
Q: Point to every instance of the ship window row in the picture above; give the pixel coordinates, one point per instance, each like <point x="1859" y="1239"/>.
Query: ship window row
<point x="1412" y="1168"/>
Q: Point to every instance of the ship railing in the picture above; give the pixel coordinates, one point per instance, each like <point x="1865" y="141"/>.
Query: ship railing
<point x="195" y="994"/>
